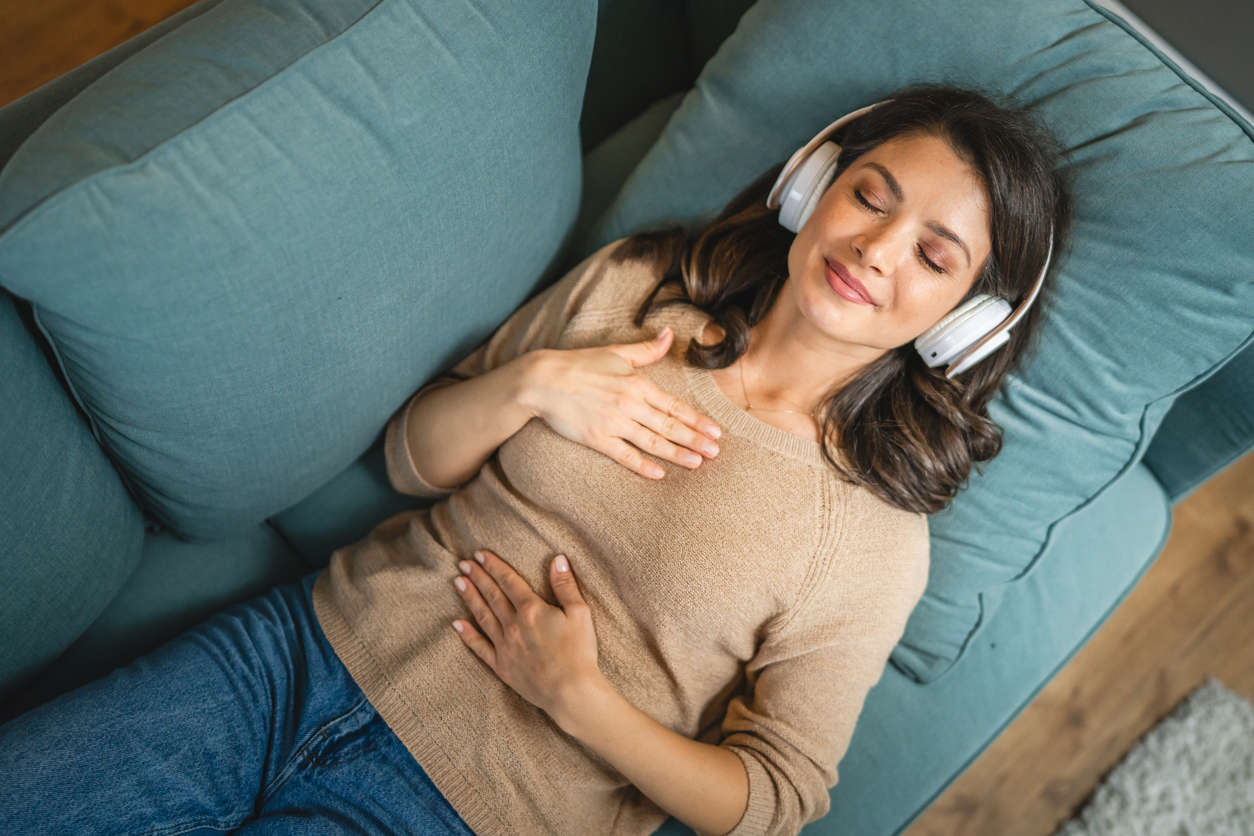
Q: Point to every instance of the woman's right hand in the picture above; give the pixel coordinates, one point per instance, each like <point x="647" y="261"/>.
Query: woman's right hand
<point x="593" y="396"/>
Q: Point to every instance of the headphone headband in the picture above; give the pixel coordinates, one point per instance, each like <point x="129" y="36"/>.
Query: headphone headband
<point x="1012" y="319"/>
<point x="799" y="156"/>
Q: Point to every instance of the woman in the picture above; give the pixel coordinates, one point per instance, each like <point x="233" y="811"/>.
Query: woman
<point x="708" y="647"/>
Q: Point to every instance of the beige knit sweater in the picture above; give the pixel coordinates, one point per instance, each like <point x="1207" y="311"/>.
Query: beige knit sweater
<point x="750" y="603"/>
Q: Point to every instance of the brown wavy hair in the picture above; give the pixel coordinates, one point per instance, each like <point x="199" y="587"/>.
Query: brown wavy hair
<point x="910" y="434"/>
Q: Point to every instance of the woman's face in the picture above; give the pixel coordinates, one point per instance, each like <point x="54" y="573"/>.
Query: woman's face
<point x="898" y="204"/>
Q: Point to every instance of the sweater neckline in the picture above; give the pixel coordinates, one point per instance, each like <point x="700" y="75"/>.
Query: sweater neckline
<point x="731" y="418"/>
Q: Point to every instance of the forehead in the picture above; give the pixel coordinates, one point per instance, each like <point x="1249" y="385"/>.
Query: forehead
<point x="928" y="163"/>
<point x="935" y="181"/>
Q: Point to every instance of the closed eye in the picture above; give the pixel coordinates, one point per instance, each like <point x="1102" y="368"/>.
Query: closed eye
<point x="931" y="265"/>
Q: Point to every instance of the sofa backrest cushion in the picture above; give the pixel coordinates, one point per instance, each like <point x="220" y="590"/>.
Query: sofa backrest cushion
<point x="69" y="533"/>
<point x="245" y="241"/>
<point x="21" y="116"/>
<point x="1154" y="293"/>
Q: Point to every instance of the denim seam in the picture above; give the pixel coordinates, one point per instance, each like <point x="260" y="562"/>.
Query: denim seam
<point x="301" y="755"/>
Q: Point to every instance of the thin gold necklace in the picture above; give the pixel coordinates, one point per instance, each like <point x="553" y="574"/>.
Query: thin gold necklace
<point x="749" y="406"/>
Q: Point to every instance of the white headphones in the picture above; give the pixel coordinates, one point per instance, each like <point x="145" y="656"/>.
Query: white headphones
<point x="967" y="334"/>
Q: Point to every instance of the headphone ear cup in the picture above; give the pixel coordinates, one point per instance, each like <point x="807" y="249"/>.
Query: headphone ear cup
<point x="806" y="186"/>
<point x="983" y="351"/>
<point x="963" y="327"/>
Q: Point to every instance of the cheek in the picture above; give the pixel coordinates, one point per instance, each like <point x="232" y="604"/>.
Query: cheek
<point x="918" y="310"/>
<point x="834" y="212"/>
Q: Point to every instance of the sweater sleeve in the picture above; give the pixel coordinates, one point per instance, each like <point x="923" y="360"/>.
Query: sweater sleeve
<point x="538" y="323"/>
<point x="809" y="678"/>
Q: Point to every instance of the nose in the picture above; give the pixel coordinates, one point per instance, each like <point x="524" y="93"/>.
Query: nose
<point x="879" y="247"/>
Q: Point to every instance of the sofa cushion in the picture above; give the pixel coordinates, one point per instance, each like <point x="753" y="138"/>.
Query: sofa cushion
<point x="176" y="585"/>
<point x="69" y="533"/>
<point x="21" y="116"/>
<point x="244" y="242"/>
<point x="1207" y="429"/>
<point x="344" y="510"/>
<point x="1152" y="294"/>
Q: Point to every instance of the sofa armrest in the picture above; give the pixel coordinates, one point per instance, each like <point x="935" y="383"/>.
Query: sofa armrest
<point x="1207" y="428"/>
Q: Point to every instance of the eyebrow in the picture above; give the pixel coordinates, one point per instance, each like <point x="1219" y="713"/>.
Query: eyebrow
<point x="895" y="188"/>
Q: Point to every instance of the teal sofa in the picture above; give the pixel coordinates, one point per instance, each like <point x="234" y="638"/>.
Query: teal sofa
<point x="232" y="246"/>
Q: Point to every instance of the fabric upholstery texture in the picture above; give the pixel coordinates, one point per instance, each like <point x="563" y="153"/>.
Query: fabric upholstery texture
<point x="176" y="585"/>
<point x="21" y="116"/>
<point x="1207" y="429"/>
<point x="1153" y="293"/>
<point x="242" y="241"/>
<point x="70" y="533"/>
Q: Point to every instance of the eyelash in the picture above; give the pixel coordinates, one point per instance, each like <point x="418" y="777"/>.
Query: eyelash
<point x="931" y="265"/>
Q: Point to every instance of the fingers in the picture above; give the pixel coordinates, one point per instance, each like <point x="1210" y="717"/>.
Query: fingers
<point x="650" y="442"/>
<point x="657" y="429"/>
<point x="631" y="458"/>
<point x="517" y="592"/>
<point x="689" y="422"/>
<point x="647" y="351"/>
<point x="650" y="418"/>
<point x="484" y="599"/>
<point x="680" y="422"/>
<point x="657" y="422"/>
<point x="484" y="649"/>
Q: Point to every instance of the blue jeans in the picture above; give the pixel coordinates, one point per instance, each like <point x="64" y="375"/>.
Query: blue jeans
<point x="249" y="721"/>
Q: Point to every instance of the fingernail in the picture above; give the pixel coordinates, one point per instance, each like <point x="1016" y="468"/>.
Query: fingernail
<point x="479" y="557"/>
<point x="664" y="332"/>
<point x="716" y="432"/>
<point x="562" y="565"/>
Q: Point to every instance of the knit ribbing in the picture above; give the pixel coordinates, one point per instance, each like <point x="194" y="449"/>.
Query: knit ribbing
<point x="715" y="403"/>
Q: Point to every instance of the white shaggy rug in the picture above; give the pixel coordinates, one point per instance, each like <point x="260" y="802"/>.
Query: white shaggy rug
<point x="1191" y="775"/>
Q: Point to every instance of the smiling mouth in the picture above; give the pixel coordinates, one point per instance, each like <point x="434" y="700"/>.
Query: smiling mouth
<point x="843" y="287"/>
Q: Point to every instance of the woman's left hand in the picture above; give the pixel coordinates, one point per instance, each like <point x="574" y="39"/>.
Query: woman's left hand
<point x="547" y="654"/>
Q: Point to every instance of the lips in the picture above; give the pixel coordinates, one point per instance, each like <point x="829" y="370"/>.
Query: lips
<point x="839" y="269"/>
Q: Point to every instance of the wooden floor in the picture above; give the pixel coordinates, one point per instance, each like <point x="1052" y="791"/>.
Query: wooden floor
<point x="42" y="39"/>
<point x="1189" y="617"/>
